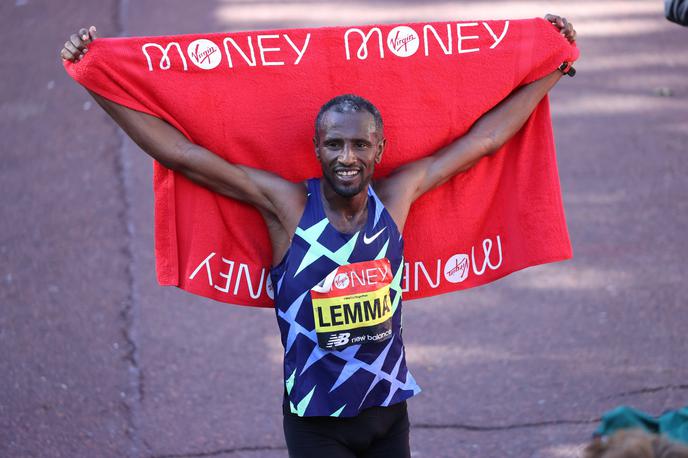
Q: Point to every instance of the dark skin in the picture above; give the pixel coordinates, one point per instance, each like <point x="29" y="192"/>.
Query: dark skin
<point x="347" y="145"/>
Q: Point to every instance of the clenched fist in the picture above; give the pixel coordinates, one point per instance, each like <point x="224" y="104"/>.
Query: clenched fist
<point x="77" y="45"/>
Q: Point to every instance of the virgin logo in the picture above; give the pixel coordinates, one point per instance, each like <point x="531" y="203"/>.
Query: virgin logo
<point x="403" y="41"/>
<point x="341" y="281"/>
<point x="204" y="53"/>
<point x="456" y="268"/>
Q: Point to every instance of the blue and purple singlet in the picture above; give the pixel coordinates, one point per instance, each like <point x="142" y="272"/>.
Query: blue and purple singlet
<point x="338" y="304"/>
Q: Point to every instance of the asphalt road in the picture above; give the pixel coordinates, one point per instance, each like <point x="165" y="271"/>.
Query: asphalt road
<point x="98" y="361"/>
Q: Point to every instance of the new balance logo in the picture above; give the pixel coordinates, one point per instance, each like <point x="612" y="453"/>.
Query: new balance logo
<point x="337" y="340"/>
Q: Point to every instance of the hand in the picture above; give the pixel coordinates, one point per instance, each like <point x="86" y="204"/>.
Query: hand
<point x="564" y="26"/>
<point x="77" y="45"/>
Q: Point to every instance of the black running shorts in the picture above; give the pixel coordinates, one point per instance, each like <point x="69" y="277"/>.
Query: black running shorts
<point x="380" y="432"/>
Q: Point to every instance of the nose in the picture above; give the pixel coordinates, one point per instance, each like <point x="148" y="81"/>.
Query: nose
<point x="347" y="157"/>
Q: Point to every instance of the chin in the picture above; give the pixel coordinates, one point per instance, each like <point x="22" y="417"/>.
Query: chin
<point x="348" y="191"/>
<point x="351" y="189"/>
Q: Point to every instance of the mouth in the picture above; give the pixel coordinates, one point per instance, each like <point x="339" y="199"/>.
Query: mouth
<point x="347" y="174"/>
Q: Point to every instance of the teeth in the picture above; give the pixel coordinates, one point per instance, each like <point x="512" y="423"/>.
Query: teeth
<point x="347" y="173"/>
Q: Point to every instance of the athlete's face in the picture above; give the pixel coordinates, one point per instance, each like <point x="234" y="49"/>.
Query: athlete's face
<point x="348" y="146"/>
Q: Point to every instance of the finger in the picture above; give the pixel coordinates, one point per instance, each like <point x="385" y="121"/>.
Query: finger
<point x="66" y="55"/>
<point x="83" y="34"/>
<point x="570" y="32"/>
<point x="561" y="22"/>
<point x="550" y="17"/>
<point x="76" y="41"/>
<point x="69" y="46"/>
<point x="93" y="32"/>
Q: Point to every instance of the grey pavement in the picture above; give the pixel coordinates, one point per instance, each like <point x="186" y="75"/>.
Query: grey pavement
<point x="97" y="360"/>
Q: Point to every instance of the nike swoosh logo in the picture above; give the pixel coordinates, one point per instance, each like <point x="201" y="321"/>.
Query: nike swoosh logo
<point x="370" y="240"/>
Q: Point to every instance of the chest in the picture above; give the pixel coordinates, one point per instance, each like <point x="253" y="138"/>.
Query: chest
<point x="345" y="223"/>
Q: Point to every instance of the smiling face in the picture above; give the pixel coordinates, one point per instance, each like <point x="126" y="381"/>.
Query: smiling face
<point x="348" y="145"/>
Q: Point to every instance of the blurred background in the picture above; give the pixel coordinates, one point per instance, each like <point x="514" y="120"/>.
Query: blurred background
<point x="96" y="360"/>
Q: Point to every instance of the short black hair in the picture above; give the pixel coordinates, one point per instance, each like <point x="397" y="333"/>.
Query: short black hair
<point x="349" y="102"/>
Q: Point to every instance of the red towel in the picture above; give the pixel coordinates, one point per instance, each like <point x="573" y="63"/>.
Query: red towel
<point x="252" y="97"/>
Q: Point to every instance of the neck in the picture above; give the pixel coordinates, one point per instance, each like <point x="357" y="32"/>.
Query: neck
<point x="347" y="214"/>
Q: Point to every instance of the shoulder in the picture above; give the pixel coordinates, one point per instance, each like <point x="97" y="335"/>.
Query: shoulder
<point x="395" y="196"/>
<point x="289" y="202"/>
<point x="400" y="186"/>
<point x="289" y="198"/>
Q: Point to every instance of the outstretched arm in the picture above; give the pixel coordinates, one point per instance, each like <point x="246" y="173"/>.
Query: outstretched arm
<point x="278" y="200"/>
<point x="173" y="150"/>
<point x="486" y="136"/>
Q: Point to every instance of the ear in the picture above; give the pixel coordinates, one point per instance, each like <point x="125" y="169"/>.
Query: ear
<point x="315" y="146"/>
<point x="380" y="149"/>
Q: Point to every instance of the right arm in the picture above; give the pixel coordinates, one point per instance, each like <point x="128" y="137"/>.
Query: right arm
<point x="174" y="151"/>
<point x="279" y="201"/>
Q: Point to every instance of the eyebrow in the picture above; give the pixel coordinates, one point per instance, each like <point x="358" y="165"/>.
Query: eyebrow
<point x="338" y="137"/>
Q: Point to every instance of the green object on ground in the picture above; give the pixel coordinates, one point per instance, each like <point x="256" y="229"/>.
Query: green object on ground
<point x="673" y="423"/>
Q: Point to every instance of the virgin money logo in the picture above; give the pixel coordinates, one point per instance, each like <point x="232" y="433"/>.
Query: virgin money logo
<point x="456" y="268"/>
<point x="403" y="41"/>
<point x="204" y="53"/>
<point x="341" y="281"/>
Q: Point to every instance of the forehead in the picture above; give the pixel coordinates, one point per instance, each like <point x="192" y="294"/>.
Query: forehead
<point x="349" y="123"/>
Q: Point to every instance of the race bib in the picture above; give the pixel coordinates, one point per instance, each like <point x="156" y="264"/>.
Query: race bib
<point x="352" y="305"/>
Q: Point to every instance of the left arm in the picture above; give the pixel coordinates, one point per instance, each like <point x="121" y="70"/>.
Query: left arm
<point x="407" y="183"/>
<point x="484" y="138"/>
<point x="487" y="135"/>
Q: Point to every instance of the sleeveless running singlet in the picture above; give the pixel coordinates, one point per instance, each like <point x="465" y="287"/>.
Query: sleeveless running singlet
<point x="338" y="305"/>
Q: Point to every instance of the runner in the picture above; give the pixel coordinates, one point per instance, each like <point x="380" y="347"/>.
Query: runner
<point x="337" y="250"/>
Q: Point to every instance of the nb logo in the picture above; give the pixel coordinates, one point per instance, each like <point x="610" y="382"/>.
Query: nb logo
<point x="337" y="340"/>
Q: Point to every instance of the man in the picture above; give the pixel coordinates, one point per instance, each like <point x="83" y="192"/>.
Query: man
<point x="345" y="361"/>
